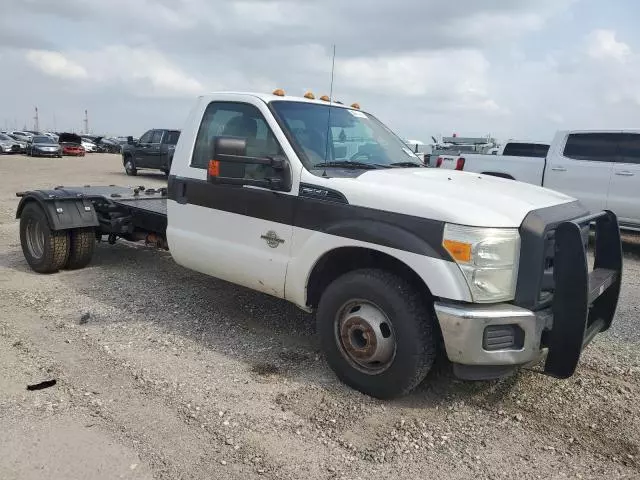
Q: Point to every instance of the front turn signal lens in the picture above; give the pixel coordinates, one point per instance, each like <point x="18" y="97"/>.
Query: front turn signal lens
<point x="460" y="251"/>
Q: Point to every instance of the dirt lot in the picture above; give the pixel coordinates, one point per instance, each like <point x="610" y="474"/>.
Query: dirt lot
<point x="167" y="374"/>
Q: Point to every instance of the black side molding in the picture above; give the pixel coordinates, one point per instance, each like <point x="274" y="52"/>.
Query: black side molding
<point x="584" y="303"/>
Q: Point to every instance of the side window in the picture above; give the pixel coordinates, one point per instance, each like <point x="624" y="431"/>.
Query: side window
<point x="146" y="138"/>
<point x="171" y="138"/>
<point x="597" y="147"/>
<point x="156" y="137"/>
<point x="236" y="120"/>
<point x="629" y="148"/>
<point x="525" y="150"/>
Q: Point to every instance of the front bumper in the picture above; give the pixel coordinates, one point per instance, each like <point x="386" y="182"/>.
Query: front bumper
<point x="47" y="153"/>
<point x="583" y="303"/>
<point x="464" y="325"/>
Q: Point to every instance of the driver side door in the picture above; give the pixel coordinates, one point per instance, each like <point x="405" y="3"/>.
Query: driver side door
<point x="141" y="150"/>
<point x="241" y="234"/>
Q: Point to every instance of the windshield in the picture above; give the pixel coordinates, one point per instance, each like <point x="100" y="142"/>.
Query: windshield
<point x="42" y="140"/>
<point x="352" y="137"/>
<point x="5" y="138"/>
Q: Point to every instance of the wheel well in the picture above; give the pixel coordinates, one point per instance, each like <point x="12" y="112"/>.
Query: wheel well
<point x="337" y="262"/>
<point x="498" y="174"/>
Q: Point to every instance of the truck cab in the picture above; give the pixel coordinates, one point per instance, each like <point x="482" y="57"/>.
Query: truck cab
<point x="154" y="150"/>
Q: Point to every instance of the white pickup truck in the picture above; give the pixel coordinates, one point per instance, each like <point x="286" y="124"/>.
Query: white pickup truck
<point x="515" y="160"/>
<point x="322" y="205"/>
<point x="599" y="168"/>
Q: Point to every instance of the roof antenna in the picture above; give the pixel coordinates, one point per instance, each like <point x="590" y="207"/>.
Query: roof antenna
<point x="326" y="152"/>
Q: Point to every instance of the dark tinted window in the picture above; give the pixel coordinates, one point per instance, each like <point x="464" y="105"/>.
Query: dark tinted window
<point x="629" y="148"/>
<point x="42" y="140"/>
<point x="599" y="147"/>
<point x="171" y="138"/>
<point x="236" y="120"/>
<point x="146" y="138"/>
<point x="156" y="137"/>
<point x="525" y="150"/>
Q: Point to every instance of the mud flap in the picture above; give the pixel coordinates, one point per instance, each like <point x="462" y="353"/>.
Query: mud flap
<point x="584" y="303"/>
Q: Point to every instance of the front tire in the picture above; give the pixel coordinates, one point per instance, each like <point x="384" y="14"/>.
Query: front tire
<point x="130" y="166"/>
<point x="377" y="332"/>
<point x="45" y="250"/>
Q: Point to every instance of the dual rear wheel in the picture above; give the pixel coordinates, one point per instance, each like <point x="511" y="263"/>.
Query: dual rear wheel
<point x="47" y="250"/>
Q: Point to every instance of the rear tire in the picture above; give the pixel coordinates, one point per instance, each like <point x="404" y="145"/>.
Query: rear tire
<point x="130" y="166"/>
<point x="81" y="248"/>
<point x="377" y="332"/>
<point x="45" y="250"/>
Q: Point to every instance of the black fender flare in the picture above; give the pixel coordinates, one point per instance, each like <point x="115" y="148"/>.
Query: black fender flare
<point x="393" y="236"/>
<point x="63" y="211"/>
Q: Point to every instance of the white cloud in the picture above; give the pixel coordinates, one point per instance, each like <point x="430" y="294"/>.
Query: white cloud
<point x="56" y="64"/>
<point x="143" y="70"/>
<point x="456" y="79"/>
<point x="602" y="44"/>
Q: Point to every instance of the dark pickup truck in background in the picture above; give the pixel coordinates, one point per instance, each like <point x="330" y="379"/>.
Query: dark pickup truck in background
<point x="154" y="150"/>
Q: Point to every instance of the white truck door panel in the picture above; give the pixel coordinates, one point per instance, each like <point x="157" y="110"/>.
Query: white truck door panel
<point x="581" y="167"/>
<point x="239" y="234"/>
<point x="624" y="194"/>
<point x="241" y="249"/>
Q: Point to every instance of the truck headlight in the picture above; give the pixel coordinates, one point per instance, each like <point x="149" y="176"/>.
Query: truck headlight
<point x="488" y="258"/>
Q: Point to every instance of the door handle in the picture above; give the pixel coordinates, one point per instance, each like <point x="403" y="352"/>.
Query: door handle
<point x="558" y="169"/>
<point x="625" y="173"/>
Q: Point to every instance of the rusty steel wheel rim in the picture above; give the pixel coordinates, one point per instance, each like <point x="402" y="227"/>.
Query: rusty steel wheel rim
<point x="365" y="336"/>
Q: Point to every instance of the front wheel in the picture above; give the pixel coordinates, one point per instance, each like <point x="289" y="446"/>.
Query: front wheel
<point x="130" y="166"/>
<point x="377" y="332"/>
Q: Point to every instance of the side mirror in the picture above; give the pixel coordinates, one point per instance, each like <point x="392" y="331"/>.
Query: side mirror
<point x="230" y="161"/>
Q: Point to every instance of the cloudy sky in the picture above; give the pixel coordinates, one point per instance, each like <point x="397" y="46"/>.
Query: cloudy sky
<point x="511" y="68"/>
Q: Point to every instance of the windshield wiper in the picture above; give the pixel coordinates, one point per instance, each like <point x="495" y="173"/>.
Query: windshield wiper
<point x="406" y="164"/>
<point x="351" y="164"/>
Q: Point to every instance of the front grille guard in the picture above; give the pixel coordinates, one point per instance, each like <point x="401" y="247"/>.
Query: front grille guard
<point x="584" y="303"/>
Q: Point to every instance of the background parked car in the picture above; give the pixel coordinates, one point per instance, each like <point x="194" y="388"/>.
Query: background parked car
<point x="71" y="144"/>
<point x="88" y="145"/>
<point x="43" y="146"/>
<point x="8" y="144"/>
<point x="24" y="136"/>
<point x="107" y="145"/>
<point x="22" y="143"/>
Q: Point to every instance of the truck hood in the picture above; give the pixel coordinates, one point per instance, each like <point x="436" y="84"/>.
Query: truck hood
<point x="455" y="197"/>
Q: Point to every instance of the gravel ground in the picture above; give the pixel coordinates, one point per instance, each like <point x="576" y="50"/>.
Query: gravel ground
<point x="167" y="374"/>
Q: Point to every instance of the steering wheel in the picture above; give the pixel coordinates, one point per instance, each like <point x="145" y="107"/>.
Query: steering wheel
<point x="360" y="154"/>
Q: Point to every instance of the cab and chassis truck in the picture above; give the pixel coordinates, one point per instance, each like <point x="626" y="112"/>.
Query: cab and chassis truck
<point x="321" y="204"/>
